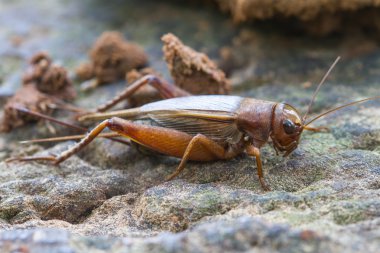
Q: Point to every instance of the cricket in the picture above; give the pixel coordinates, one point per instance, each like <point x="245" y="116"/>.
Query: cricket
<point x="198" y="128"/>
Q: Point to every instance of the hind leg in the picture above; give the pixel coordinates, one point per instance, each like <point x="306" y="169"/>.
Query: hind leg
<point x="165" y="89"/>
<point x="71" y="151"/>
<point x="166" y="141"/>
<point x="163" y="140"/>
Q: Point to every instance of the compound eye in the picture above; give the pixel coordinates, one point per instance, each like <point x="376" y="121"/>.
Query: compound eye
<point x="289" y="126"/>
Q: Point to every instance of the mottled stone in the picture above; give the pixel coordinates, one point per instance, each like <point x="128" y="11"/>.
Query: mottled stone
<point x="238" y="234"/>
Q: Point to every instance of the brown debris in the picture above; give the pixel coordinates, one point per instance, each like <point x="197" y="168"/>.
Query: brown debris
<point x="145" y="94"/>
<point x="243" y="10"/>
<point x="28" y="96"/>
<point x="49" y="78"/>
<point x="135" y="74"/>
<point x="191" y="70"/>
<point x="43" y="85"/>
<point x="85" y="71"/>
<point x="111" y="58"/>
<point x="315" y="17"/>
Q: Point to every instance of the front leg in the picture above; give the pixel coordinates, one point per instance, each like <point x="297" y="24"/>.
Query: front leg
<point x="254" y="151"/>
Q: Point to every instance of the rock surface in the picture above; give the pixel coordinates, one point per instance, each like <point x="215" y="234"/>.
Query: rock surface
<point x="112" y="198"/>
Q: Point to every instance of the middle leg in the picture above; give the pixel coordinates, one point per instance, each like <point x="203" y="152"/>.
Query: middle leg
<point x="201" y="147"/>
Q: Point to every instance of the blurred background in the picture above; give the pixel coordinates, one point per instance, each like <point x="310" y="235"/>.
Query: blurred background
<point x="254" y="42"/>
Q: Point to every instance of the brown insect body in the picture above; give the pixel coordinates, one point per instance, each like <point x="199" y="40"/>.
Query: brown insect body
<point x="234" y="122"/>
<point x="231" y="121"/>
<point x="215" y="116"/>
<point x="209" y="127"/>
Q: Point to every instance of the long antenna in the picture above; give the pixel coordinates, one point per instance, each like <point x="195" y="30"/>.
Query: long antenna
<point x="48" y="118"/>
<point x="341" y="107"/>
<point x="63" y="123"/>
<point x="319" y="86"/>
<point x="69" y="137"/>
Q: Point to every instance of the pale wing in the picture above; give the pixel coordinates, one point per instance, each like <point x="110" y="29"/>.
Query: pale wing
<point x="220" y="103"/>
<point x="218" y="126"/>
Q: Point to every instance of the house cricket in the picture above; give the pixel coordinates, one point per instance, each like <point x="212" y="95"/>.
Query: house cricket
<point x="200" y="128"/>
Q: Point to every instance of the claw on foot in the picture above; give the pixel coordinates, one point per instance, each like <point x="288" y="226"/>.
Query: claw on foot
<point x="264" y="184"/>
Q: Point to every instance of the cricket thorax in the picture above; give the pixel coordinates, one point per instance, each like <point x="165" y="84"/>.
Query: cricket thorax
<point x="254" y="119"/>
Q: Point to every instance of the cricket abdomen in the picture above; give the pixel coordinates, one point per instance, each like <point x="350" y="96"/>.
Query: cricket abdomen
<point x="163" y="140"/>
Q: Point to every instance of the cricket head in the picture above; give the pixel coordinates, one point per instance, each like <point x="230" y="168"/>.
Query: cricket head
<point x="287" y="126"/>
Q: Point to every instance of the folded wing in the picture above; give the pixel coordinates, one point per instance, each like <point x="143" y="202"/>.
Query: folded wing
<point x="212" y="116"/>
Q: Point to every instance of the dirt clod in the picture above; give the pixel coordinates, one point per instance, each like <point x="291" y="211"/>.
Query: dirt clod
<point x="111" y="58"/>
<point x="28" y="97"/>
<point x="85" y="71"/>
<point x="243" y="10"/>
<point x="48" y="77"/>
<point x="44" y="83"/>
<point x="191" y="70"/>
